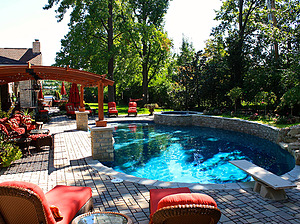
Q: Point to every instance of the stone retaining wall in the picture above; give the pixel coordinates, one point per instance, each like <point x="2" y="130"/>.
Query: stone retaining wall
<point x="260" y="130"/>
<point x="286" y="137"/>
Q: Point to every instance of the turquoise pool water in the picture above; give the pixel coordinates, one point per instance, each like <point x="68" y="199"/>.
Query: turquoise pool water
<point x="192" y="154"/>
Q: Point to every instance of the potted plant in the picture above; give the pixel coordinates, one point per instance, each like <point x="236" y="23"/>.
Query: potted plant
<point x="151" y="107"/>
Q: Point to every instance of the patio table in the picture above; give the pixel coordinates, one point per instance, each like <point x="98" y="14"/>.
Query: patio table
<point x="102" y="217"/>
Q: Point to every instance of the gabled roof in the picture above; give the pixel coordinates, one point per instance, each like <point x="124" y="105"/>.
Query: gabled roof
<point x="9" y="61"/>
<point x="21" y="56"/>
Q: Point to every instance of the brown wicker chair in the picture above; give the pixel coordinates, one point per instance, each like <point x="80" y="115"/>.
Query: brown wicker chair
<point x="179" y="205"/>
<point x="194" y="213"/>
<point x="23" y="202"/>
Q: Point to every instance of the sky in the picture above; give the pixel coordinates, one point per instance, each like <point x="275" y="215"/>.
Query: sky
<point x="23" y="21"/>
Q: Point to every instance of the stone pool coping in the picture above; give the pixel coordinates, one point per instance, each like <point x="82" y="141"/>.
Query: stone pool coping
<point x="292" y="176"/>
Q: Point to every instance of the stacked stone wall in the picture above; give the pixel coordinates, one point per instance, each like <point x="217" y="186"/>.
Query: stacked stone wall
<point x="287" y="138"/>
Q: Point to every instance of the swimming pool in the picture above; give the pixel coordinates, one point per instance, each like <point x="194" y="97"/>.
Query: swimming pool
<point x="192" y="154"/>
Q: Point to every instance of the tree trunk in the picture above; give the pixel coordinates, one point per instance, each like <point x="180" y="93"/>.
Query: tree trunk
<point x="145" y="74"/>
<point x="110" y="69"/>
<point x="271" y="6"/>
<point x="237" y="52"/>
<point x="145" y="83"/>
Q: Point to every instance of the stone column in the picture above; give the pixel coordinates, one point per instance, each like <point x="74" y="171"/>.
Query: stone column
<point x="102" y="143"/>
<point x="82" y="120"/>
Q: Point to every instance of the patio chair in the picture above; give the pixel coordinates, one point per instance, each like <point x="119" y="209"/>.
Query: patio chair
<point x="132" y="108"/>
<point x="179" y="205"/>
<point x="112" y="109"/>
<point x="70" y="110"/>
<point x="23" y="202"/>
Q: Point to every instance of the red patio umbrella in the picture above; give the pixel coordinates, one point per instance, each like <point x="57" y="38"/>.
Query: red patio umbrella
<point x="74" y="94"/>
<point x="40" y="94"/>
<point x="63" y="89"/>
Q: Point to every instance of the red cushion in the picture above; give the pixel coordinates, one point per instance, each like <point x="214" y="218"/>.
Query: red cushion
<point x="69" y="200"/>
<point x="14" y="124"/>
<point x="4" y="129"/>
<point x="3" y="120"/>
<point x="43" y="111"/>
<point x="26" y="120"/>
<point x="111" y="104"/>
<point x="20" y="131"/>
<point x="186" y="199"/>
<point x="18" y="118"/>
<point x="132" y="110"/>
<point x="132" y="104"/>
<point x="157" y="194"/>
<point x="69" y="108"/>
<point x="37" y="190"/>
<point x="36" y="136"/>
<point x="31" y="127"/>
<point x="112" y="111"/>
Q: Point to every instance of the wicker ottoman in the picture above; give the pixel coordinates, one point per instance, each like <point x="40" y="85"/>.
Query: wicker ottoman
<point x="40" y="140"/>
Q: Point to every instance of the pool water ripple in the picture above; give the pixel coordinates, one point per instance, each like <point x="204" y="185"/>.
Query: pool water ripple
<point x="192" y="154"/>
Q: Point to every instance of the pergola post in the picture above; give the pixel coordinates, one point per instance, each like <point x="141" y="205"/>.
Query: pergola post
<point x="100" y="122"/>
<point x="81" y="108"/>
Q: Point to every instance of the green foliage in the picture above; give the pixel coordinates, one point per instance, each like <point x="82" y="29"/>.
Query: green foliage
<point x="3" y="114"/>
<point x="291" y="98"/>
<point x="57" y="94"/>
<point x="235" y="94"/>
<point x="8" y="152"/>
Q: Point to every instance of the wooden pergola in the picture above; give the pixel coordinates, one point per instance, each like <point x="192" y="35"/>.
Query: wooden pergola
<point x="17" y="73"/>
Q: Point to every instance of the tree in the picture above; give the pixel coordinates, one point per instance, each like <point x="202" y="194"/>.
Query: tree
<point x="185" y="74"/>
<point x="237" y="18"/>
<point x="90" y="41"/>
<point x="291" y="99"/>
<point x="147" y="38"/>
<point x="251" y="31"/>
<point x="235" y="94"/>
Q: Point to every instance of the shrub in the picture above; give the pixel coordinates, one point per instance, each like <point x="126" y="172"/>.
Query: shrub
<point x="9" y="152"/>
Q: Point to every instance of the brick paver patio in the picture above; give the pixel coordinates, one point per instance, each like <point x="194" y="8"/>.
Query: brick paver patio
<point x="69" y="163"/>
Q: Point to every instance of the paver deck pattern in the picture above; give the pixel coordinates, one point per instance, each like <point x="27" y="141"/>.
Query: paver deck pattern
<point x="68" y="163"/>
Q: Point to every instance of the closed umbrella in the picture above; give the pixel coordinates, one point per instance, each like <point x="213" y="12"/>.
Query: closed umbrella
<point x="74" y="94"/>
<point x="63" y="89"/>
<point x="40" y="94"/>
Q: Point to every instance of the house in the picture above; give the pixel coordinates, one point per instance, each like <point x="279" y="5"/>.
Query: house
<point x="21" y="93"/>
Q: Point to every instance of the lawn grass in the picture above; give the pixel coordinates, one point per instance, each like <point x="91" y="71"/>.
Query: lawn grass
<point x="270" y="122"/>
<point x="123" y="109"/>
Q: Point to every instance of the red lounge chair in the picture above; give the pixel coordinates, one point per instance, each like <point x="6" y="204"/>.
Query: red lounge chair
<point x="112" y="109"/>
<point x="70" y="110"/>
<point x="132" y="108"/>
<point x="23" y="202"/>
<point x="178" y="205"/>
